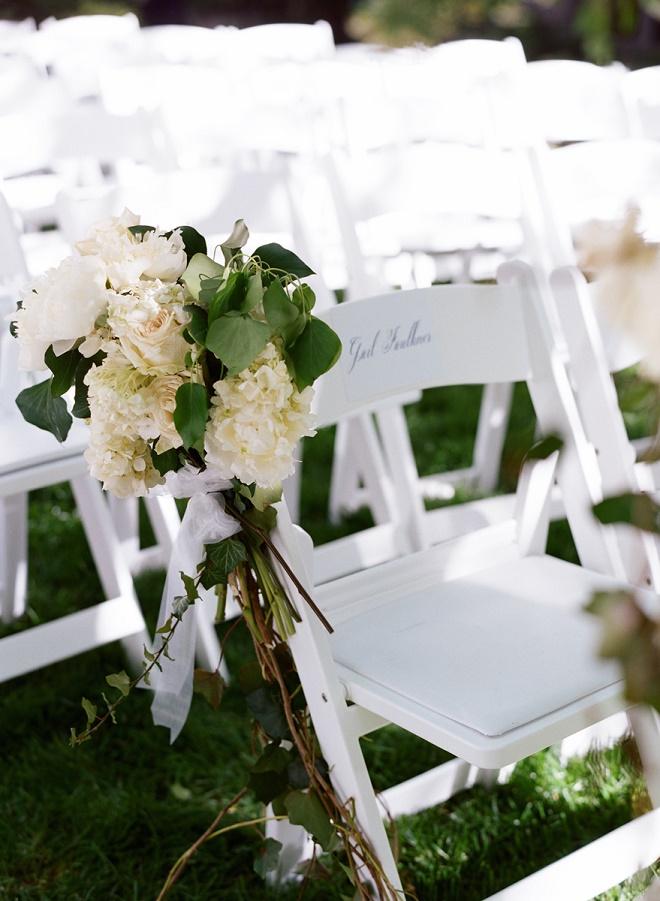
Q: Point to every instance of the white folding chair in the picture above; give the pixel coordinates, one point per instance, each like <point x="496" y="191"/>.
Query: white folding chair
<point x="178" y="44"/>
<point x="572" y="100"/>
<point x="286" y="42"/>
<point x="479" y="645"/>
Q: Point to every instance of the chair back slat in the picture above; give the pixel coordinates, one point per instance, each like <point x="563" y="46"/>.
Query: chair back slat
<point x="409" y="340"/>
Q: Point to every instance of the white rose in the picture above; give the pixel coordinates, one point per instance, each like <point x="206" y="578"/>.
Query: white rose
<point x="128" y="257"/>
<point x="163" y="395"/>
<point x="60" y="306"/>
<point x="257" y="419"/>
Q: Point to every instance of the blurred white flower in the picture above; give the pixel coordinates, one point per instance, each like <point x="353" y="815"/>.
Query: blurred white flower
<point x="627" y="283"/>
<point x="59" y="307"/>
<point x="257" y="419"/>
<point x="123" y="464"/>
<point x="149" y="323"/>
<point x="128" y="257"/>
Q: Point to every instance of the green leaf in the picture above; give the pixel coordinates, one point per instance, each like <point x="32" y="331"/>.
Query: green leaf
<point x="274" y="256"/>
<point x="254" y="293"/>
<point x="268" y="857"/>
<point x="635" y="509"/>
<point x="237" y="340"/>
<point x="165" y="628"/>
<point x="198" y="325"/>
<point x="544" y="448"/>
<point x="193" y="242"/>
<point x="282" y="313"/>
<point x="268" y="776"/>
<point x="229" y="296"/>
<point x="63" y="368"/>
<point x="140" y="230"/>
<point x="90" y="711"/>
<point x="39" y="407"/>
<point x="316" y="350"/>
<point x="190" y="587"/>
<point x="250" y="677"/>
<point x="265" y="706"/>
<point x="190" y="413"/>
<point x="80" y="400"/>
<point x="238" y="237"/>
<point x="221" y="559"/>
<point x="210" y="686"/>
<point x="305" y="809"/>
<point x="120" y="681"/>
<point x="296" y="774"/>
<point x="200" y="269"/>
<point x="304" y="298"/>
<point x="166" y="462"/>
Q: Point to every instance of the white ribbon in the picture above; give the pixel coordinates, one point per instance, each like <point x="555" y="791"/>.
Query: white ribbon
<point x="204" y="522"/>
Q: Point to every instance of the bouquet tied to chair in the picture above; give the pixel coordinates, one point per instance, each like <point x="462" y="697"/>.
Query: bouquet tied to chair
<point x="195" y="378"/>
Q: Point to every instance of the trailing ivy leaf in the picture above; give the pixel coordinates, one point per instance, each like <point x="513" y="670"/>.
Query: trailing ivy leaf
<point x="266" y="707"/>
<point x="190" y="587"/>
<point x="165" y="628"/>
<point x="544" y="448"/>
<point x="268" y="776"/>
<point x="228" y="297"/>
<point x="199" y="271"/>
<point x="264" y="519"/>
<point x="305" y="809"/>
<point x="250" y="677"/>
<point x="198" y="324"/>
<point x="166" y="462"/>
<point x="274" y="256"/>
<point x="282" y="314"/>
<point x="210" y="685"/>
<point x="179" y="606"/>
<point x="63" y="368"/>
<point x="39" y="407"/>
<point x="304" y="298"/>
<point x="237" y="340"/>
<point x="190" y="413"/>
<point x="268" y="857"/>
<point x="316" y="350"/>
<point x="297" y="774"/>
<point x="80" y="399"/>
<point x="90" y="711"/>
<point x="140" y="230"/>
<point x="120" y="681"/>
<point x="221" y="559"/>
<point x="193" y="242"/>
<point x="635" y="509"/>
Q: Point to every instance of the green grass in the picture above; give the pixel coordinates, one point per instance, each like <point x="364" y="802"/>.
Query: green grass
<point x="106" y="821"/>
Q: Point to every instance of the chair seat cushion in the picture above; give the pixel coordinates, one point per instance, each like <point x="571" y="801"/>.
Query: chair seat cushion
<point x="492" y="651"/>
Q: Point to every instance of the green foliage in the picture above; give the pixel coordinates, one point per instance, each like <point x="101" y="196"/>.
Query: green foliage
<point x="166" y="462"/>
<point x="220" y="560"/>
<point x="40" y="407"/>
<point x="200" y="269"/>
<point x="120" y="681"/>
<point x="315" y="352"/>
<point x="267" y="858"/>
<point x="236" y="340"/>
<point x="63" y="368"/>
<point x="190" y="413"/>
<point x="639" y="510"/>
<point x="278" y="258"/>
<point x="304" y="808"/>
<point x="193" y="242"/>
<point x="210" y="686"/>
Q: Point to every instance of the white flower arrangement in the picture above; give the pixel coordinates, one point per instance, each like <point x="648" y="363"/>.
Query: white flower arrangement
<point x="175" y="359"/>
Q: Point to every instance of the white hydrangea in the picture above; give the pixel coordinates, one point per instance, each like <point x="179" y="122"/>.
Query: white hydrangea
<point x="59" y="307"/>
<point x="149" y="322"/>
<point x="628" y="275"/>
<point x="129" y="409"/>
<point x="256" y="420"/>
<point x="128" y="257"/>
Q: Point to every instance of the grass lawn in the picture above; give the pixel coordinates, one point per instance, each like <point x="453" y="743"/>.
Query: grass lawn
<point x="107" y="820"/>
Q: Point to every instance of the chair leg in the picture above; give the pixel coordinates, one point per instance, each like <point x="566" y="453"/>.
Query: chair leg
<point x="344" y="478"/>
<point x="491" y="432"/>
<point x="125" y="514"/>
<point x="13" y="555"/>
<point x="108" y="554"/>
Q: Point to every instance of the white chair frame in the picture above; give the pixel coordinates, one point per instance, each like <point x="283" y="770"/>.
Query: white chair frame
<point x="472" y="341"/>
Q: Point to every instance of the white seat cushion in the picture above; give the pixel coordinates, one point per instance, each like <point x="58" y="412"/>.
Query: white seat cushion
<point x="492" y="651"/>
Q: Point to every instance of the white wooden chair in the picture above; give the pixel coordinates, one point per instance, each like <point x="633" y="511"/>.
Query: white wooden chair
<point x="480" y="644"/>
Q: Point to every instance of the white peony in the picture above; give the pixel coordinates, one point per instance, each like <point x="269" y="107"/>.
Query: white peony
<point x="128" y="257"/>
<point x="59" y="307"/>
<point x="149" y="324"/>
<point x="627" y="283"/>
<point x="257" y="419"/>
